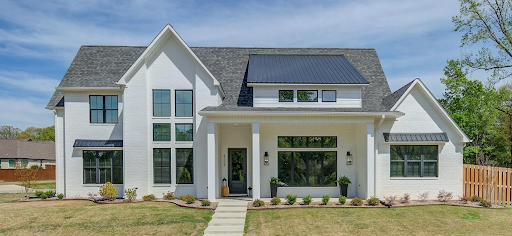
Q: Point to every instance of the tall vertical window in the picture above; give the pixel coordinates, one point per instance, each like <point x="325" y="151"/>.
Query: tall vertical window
<point x="162" y="103"/>
<point x="162" y="165"/>
<point x="185" y="165"/>
<point x="184" y="103"/>
<point x="184" y="132"/>
<point x="328" y="95"/>
<point x="161" y="132"/>
<point x="285" y="95"/>
<point x="103" y="109"/>
<point x="414" y="161"/>
<point x="103" y="166"/>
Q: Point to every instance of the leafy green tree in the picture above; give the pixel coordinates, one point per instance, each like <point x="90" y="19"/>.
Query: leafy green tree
<point x="30" y="133"/>
<point x="473" y="106"/>
<point x="9" y="132"/>
<point x="47" y="134"/>
<point x="487" y="22"/>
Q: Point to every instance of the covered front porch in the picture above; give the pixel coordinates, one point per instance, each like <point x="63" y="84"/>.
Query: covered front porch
<point x="307" y="153"/>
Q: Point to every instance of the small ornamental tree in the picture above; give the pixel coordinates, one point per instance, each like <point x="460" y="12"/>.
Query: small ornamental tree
<point x="27" y="176"/>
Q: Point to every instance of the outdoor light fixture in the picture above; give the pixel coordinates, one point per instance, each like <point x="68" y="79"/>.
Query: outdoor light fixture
<point x="349" y="158"/>
<point x="265" y="158"/>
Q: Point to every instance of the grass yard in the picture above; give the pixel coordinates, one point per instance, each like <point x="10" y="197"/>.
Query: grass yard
<point x="425" y="220"/>
<point x="45" y="186"/>
<point x="87" y="218"/>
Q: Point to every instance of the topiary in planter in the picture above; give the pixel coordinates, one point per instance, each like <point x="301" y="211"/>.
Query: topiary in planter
<point x="325" y="199"/>
<point x="342" y="200"/>
<point x="307" y="200"/>
<point x="373" y="201"/>
<point x="275" y="201"/>
<point x="291" y="199"/>
<point x="357" y="202"/>
<point x="258" y="203"/>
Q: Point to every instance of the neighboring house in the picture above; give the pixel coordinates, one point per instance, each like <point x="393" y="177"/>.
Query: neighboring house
<point x="40" y="153"/>
<point x="169" y="117"/>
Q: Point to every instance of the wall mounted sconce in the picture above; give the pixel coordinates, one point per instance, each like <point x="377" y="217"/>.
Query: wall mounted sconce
<point x="224" y="159"/>
<point x="265" y="158"/>
<point x="349" y="158"/>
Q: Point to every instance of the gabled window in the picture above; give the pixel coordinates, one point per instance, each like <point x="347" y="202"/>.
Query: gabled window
<point x="307" y="96"/>
<point x="184" y="103"/>
<point x="103" y="109"/>
<point x="414" y="161"/>
<point x="285" y="95"/>
<point x="184" y="132"/>
<point x="161" y="132"/>
<point x="328" y="95"/>
<point x="162" y="103"/>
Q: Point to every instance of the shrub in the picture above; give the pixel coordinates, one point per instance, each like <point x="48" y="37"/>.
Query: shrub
<point x="130" y="194"/>
<point x="444" y="196"/>
<point x="60" y="196"/>
<point x="189" y="198"/>
<point x="344" y="180"/>
<point x="373" y="201"/>
<point x="291" y="199"/>
<point x="36" y="167"/>
<point x="475" y="198"/>
<point x="205" y="202"/>
<point x="306" y="200"/>
<point x="150" y="197"/>
<point x="274" y="180"/>
<point x="485" y="203"/>
<point x="466" y="199"/>
<point x="342" y="200"/>
<point x="356" y="201"/>
<point x="39" y="193"/>
<point x="275" y="201"/>
<point x="258" y="203"/>
<point x="406" y="198"/>
<point x="169" y="195"/>
<point x="423" y="196"/>
<point x="325" y="199"/>
<point x="43" y="196"/>
<point x="108" y="191"/>
<point x="50" y="193"/>
<point x="391" y="199"/>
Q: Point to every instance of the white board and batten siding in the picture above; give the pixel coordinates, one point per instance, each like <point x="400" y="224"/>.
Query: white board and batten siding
<point x="346" y="96"/>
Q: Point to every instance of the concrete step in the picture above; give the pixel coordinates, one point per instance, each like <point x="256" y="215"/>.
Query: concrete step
<point x="231" y="209"/>
<point x="232" y="204"/>
<point x="238" y="215"/>
<point x="227" y="222"/>
<point x="223" y="230"/>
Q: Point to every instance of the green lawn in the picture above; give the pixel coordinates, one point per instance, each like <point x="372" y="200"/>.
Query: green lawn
<point x="45" y="186"/>
<point x="87" y="218"/>
<point x="426" y="220"/>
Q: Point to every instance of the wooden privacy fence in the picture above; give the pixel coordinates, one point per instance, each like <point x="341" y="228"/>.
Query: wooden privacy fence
<point x="8" y="174"/>
<point x="491" y="183"/>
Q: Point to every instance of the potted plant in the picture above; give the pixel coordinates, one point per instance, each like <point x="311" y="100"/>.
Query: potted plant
<point x="274" y="183"/>
<point x="343" y="181"/>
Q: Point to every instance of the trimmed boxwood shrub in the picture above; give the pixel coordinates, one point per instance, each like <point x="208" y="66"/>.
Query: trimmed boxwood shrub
<point x="307" y="200"/>
<point x="325" y="199"/>
<point x="291" y="199"/>
<point x="476" y="198"/>
<point x="356" y="201"/>
<point x="275" y="201"/>
<point x="205" y="202"/>
<point x="60" y="196"/>
<point x="150" y="197"/>
<point x="169" y="196"/>
<point x="258" y="203"/>
<point x="342" y="200"/>
<point x="189" y="198"/>
<point x="485" y="203"/>
<point x="373" y="201"/>
<point x="43" y="196"/>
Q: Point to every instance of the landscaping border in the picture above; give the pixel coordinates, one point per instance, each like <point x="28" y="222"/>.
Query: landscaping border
<point x="251" y="207"/>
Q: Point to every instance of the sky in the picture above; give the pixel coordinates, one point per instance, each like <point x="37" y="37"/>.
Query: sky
<point x="38" y="39"/>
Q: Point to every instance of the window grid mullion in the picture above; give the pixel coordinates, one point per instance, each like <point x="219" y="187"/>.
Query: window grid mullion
<point x="292" y="165"/>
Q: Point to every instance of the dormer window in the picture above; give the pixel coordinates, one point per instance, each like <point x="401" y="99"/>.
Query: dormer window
<point x="285" y="95"/>
<point x="328" y="95"/>
<point x="307" y="96"/>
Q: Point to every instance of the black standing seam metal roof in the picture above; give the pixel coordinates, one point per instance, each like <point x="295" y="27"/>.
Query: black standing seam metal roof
<point x="303" y="69"/>
<point x="97" y="143"/>
<point x="416" y="137"/>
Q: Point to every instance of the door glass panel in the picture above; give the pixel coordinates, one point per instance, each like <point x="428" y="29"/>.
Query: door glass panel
<point x="237" y="166"/>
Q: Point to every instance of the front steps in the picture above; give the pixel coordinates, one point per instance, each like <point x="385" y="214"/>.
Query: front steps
<point x="228" y="219"/>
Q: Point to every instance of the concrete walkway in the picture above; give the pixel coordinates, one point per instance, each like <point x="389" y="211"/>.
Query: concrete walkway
<point x="229" y="217"/>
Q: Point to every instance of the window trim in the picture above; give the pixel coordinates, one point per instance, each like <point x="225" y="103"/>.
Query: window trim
<point x="292" y="165"/>
<point x="170" y="131"/>
<point x="287" y="90"/>
<point x="176" y="102"/>
<point x="307" y="91"/>
<point x="104" y="109"/>
<point x="335" y="95"/>
<point x="97" y="166"/>
<point x="421" y="161"/>
<point x="153" y="102"/>
<point x="307" y="141"/>
<point x="176" y="132"/>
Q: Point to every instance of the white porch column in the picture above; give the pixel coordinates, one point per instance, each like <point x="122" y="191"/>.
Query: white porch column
<point x="212" y="175"/>
<point x="256" y="160"/>
<point x="370" y="161"/>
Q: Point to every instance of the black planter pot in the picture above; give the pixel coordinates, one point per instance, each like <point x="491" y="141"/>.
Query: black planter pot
<point x="343" y="190"/>
<point x="273" y="190"/>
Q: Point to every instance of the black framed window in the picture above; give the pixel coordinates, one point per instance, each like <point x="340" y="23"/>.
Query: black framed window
<point x="103" y="166"/>
<point x="414" y="161"/>
<point x="184" y="132"/>
<point x="306" y="141"/>
<point x="307" y="169"/>
<point x="184" y="103"/>
<point x="285" y="95"/>
<point x="162" y="165"/>
<point x="328" y="95"/>
<point x="161" y="132"/>
<point x="103" y="109"/>
<point x="162" y="103"/>
<point x="307" y="95"/>
<point x="185" y="165"/>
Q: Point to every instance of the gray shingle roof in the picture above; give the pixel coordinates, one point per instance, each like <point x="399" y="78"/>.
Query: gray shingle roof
<point x="303" y="69"/>
<point x="97" y="143"/>
<point x="416" y="137"/>
<point x="103" y="66"/>
<point x="391" y="100"/>
<point x="27" y="149"/>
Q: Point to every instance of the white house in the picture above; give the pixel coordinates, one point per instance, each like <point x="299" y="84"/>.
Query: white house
<point x="169" y="117"/>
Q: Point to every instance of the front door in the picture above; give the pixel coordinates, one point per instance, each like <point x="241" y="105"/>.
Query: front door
<point x="237" y="171"/>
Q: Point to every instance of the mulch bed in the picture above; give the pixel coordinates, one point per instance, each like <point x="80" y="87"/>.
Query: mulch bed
<point x="284" y="205"/>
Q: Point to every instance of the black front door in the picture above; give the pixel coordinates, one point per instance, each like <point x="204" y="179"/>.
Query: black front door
<point x="237" y="171"/>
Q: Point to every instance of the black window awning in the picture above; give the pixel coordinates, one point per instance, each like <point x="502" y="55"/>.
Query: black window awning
<point x="415" y="137"/>
<point x="87" y="143"/>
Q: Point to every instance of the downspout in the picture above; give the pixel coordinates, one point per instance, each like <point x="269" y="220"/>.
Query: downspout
<point x="376" y="146"/>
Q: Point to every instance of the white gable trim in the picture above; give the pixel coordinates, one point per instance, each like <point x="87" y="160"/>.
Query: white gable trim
<point x="154" y="45"/>
<point x="438" y="106"/>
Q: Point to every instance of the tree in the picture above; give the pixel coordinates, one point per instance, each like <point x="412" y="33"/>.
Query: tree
<point x="9" y="132"/>
<point x="473" y="106"/>
<point x="30" y="133"/>
<point x="27" y="176"/>
<point x="47" y="134"/>
<point x="486" y="21"/>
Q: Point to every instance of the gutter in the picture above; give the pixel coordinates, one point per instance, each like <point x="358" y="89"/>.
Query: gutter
<point x="393" y="114"/>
